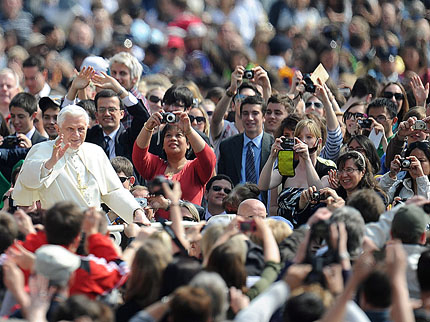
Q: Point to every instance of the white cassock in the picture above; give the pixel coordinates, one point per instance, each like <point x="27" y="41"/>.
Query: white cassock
<point x="83" y="176"/>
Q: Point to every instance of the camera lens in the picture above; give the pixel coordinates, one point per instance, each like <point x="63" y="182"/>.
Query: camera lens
<point x="406" y="164"/>
<point x="249" y="74"/>
<point x="171" y="118"/>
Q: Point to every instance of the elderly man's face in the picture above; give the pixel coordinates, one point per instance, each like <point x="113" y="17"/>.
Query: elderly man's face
<point x="8" y="88"/>
<point x="74" y="130"/>
<point x="251" y="208"/>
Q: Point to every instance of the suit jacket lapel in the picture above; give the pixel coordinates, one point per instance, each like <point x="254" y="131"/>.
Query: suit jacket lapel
<point x="237" y="146"/>
<point x="266" y="145"/>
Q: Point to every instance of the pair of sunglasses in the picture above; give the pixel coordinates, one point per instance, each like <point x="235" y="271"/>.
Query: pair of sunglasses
<point x="316" y="104"/>
<point x="199" y="119"/>
<point x="154" y="99"/>
<point x="218" y="188"/>
<point x="389" y="95"/>
<point x="123" y="179"/>
<point x="349" y="115"/>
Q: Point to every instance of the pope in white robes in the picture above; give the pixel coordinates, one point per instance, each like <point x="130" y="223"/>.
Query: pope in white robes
<point x="73" y="170"/>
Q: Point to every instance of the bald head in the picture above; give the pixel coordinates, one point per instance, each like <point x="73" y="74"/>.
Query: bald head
<point x="252" y="208"/>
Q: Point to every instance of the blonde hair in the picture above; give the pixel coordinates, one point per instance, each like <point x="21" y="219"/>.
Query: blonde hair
<point x="210" y="236"/>
<point x="130" y="62"/>
<point x="205" y="115"/>
<point x="192" y="210"/>
<point x="280" y="231"/>
<point x="312" y="127"/>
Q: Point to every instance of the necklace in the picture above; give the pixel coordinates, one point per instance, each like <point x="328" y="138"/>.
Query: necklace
<point x="170" y="172"/>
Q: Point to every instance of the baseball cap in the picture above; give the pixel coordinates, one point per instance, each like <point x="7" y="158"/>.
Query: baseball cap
<point x="49" y="102"/>
<point x="409" y="220"/>
<point x="56" y="263"/>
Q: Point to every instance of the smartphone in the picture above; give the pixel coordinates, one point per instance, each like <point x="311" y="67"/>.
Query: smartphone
<point x="286" y="163"/>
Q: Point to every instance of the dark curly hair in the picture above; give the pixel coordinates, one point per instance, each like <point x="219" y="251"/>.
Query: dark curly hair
<point x="369" y="147"/>
<point x="362" y="163"/>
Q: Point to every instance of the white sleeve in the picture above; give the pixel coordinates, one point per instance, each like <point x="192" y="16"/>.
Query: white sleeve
<point x="354" y="313"/>
<point x="130" y="100"/>
<point x="67" y="102"/>
<point x="423" y="187"/>
<point x="379" y="232"/>
<point x="264" y="305"/>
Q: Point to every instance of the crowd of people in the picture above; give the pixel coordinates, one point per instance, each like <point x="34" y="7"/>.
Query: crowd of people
<point x="215" y="160"/>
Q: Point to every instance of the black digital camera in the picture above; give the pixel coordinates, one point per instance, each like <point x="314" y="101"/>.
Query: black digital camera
<point x="309" y="84"/>
<point x="405" y="163"/>
<point x="319" y="231"/>
<point x="287" y="144"/>
<point x="364" y="123"/>
<point x="11" y="140"/>
<point x="248" y="74"/>
<point x="155" y="186"/>
<point x="318" y="196"/>
<point x="169" y="118"/>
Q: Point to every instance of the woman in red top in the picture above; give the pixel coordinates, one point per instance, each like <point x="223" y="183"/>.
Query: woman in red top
<point x="176" y="137"/>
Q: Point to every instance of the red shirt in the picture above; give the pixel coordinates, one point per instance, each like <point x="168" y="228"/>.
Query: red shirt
<point x="193" y="176"/>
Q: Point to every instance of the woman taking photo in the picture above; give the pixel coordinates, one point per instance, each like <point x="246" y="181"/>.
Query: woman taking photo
<point x="354" y="173"/>
<point x="176" y="139"/>
<point x="351" y="116"/>
<point x="396" y="92"/>
<point x="309" y="168"/>
<point x="417" y="167"/>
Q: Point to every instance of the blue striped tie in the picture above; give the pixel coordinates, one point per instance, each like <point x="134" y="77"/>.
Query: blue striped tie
<point x="250" y="174"/>
<point x="107" y="147"/>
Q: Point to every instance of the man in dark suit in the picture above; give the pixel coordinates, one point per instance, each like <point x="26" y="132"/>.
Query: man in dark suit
<point x="110" y="134"/>
<point x="23" y="111"/>
<point x="243" y="156"/>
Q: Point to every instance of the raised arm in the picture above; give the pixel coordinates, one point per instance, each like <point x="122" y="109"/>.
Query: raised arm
<point x="217" y="122"/>
<point x="270" y="178"/>
<point x="144" y="137"/>
<point x="80" y="82"/>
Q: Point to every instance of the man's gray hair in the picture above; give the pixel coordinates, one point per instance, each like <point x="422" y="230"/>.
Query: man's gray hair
<point x="72" y="110"/>
<point x="6" y="71"/>
<point x="217" y="289"/>
<point x="130" y="61"/>
<point x="355" y="227"/>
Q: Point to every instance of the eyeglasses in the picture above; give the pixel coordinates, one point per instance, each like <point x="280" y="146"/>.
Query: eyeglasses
<point x="380" y="118"/>
<point x="346" y="170"/>
<point x="199" y="119"/>
<point x="389" y="95"/>
<point x="123" y="179"/>
<point x="316" y="104"/>
<point x="109" y="109"/>
<point x="209" y="113"/>
<point x="154" y="99"/>
<point x="349" y="115"/>
<point x="218" y="188"/>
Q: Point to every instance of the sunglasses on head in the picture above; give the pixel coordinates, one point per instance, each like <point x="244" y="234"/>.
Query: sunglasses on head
<point x="240" y="97"/>
<point x="154" y="99"/>
<point x="199" y="119"/>
<point x="316" y="104"/>
<point x="218" y="188"/>
<point x="123" y="179"/>
<point x="389" y="95"/>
